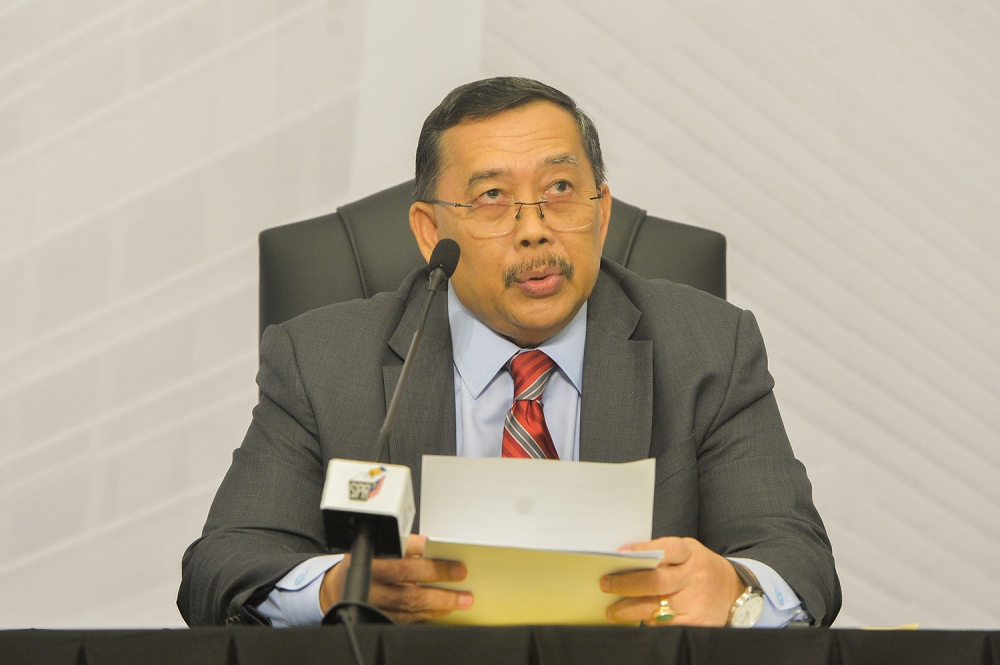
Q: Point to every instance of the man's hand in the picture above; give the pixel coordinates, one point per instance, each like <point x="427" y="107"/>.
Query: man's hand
<point x="700" y="585"/>
<point x="396" y="585"/>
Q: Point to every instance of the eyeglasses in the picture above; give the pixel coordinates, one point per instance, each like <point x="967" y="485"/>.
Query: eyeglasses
<point x="487" y="214"/>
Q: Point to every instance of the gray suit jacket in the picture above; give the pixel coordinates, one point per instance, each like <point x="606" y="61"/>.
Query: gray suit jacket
<point x="669" y="372"/>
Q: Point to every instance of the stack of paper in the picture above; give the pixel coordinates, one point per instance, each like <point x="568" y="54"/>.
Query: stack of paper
<point x="536" y="535"/>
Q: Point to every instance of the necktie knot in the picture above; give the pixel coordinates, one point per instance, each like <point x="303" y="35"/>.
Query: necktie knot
<point x="531" y="371"/>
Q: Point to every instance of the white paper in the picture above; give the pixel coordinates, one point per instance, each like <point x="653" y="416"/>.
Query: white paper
<point x="529" y="503"/>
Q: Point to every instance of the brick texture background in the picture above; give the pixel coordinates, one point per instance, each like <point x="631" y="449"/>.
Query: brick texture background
<point x="848" y="149"/>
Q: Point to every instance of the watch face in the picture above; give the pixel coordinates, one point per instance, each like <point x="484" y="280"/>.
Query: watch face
<point x="747" y="614"/>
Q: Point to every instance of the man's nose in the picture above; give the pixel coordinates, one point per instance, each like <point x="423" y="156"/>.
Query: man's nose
<point x="529" y="225"/>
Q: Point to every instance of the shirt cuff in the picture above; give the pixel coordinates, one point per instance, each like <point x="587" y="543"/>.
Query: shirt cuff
<point x="783" y="605"/>
<point x="294" y="601"/>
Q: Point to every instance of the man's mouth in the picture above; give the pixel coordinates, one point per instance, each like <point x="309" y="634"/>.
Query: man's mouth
<point x="538" y="273"/>
<point x="541" y="269"/>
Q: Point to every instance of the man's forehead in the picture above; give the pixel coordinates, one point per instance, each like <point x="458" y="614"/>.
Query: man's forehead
<point x="555" y="161"/>
<point x="535" y="137"/>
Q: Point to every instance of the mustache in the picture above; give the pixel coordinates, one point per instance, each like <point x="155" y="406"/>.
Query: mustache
<point x="545" y="261"/>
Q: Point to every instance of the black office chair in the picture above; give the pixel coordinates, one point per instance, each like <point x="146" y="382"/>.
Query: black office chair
<point x="367" y="247"/>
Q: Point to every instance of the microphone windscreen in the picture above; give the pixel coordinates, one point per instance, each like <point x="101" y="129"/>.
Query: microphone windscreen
<point x="445" y="256"/>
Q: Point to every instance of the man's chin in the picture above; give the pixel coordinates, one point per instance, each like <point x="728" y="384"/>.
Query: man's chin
<point x="533" y="330"/>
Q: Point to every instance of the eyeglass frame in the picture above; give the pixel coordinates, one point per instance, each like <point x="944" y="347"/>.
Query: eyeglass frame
<point x="519" y="204"/>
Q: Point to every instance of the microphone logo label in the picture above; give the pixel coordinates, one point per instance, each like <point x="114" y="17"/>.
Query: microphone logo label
<point x="366" y="485"/>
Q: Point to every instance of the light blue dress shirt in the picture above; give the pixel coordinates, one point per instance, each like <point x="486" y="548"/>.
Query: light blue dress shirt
<point x="483" y="393"/>
<point x="484" y="388"/>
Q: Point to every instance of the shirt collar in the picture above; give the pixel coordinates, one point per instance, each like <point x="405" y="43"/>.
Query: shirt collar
<point x="480" y="353"/>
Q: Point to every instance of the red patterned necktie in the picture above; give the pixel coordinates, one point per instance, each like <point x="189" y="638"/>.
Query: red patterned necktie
<point x="524" y="432"/>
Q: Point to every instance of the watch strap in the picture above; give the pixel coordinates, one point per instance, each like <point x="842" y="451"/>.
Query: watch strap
<point x="747" y="577"/>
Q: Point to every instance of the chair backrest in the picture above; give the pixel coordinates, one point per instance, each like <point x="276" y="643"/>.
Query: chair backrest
<point x="366" y="247"/>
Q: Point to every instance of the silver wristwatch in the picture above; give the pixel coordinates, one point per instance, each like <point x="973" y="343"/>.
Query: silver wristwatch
<point x="749" y="606"/>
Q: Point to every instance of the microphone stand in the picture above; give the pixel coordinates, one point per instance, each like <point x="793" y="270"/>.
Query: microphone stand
<point x="354" y="607"/>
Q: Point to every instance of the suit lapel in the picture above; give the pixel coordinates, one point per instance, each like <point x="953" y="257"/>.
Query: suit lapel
<point x="425" y="419"/>
<point x="616" y="409"/>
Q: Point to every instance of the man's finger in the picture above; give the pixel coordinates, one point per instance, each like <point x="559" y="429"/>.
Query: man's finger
<point x="660" y="581"/>
<point x="415" y="545"/>
<point x="417" y="569"/>
<point x="418" y="600"/>
<point x="632" y="610"/>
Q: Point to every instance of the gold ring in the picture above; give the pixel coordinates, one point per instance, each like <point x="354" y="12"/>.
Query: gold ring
<point x="664" y="612"/>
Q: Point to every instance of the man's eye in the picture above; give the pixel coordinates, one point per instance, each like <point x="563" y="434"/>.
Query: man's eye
<point x="492" y="196"/>
<point x="559" y="188"/>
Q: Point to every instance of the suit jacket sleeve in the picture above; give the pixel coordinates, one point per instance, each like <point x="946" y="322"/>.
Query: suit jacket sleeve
<point x="755" y="498"/>
<point x="265" y="519"/>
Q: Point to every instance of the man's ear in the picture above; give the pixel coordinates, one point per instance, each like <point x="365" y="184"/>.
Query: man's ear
<point x="424" y="227"/>
<point x="605" y="202"/>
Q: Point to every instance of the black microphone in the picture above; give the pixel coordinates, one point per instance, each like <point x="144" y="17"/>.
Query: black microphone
<point x="444" y="260"/>
<point x="374" y="512"/>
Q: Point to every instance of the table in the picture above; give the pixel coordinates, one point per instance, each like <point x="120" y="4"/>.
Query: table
<point x="535" y="645"/>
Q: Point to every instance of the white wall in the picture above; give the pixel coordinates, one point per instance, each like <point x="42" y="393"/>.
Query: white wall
<point x="848" y="149"/>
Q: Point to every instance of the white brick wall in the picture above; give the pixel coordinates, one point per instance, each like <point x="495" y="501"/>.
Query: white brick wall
<point x="848" y="149"/>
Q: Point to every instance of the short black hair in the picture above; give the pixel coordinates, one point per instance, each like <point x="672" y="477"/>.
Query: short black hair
<point x="484" y="99"/>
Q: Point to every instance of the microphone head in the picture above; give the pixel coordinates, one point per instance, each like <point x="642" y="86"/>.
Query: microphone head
<point x="445" y="256"/>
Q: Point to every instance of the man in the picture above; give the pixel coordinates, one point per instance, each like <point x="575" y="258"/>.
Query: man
<point x="512" y="170"/>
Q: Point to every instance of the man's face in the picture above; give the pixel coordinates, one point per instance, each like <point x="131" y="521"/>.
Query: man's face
<point x="527" y="285"/>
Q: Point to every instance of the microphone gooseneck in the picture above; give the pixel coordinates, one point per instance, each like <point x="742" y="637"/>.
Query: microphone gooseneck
<point x="444" y="260"/>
